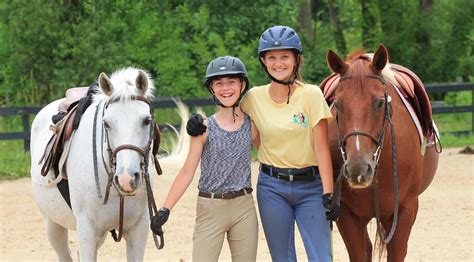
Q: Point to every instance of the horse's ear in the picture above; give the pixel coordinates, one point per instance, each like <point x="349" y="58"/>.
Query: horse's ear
<point x="142" y="82"/>
<point x="105" y="84"/>
<point x="380" y="58"/>
<point x="335" y="63"/>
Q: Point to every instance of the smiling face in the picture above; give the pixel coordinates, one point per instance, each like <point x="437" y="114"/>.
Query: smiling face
<point x="280" y="63"/>
<point x="227" y="89"/>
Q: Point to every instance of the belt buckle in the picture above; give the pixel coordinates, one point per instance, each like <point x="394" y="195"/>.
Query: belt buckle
<point x="222" y="195"/>
<point x="283" y="176"/>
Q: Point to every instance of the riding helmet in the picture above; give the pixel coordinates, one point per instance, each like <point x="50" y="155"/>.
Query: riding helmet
<point x="277" y="38"/>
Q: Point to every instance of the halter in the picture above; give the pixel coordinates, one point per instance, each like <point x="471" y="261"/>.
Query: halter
<point x="376" y="156"/>
<point x="112" y="162"/>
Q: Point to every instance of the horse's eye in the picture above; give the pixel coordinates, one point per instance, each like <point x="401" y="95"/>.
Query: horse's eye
<point x="106" y="125"/>
<point x="379" y="103"/>
<point x="338" y="105"/>
<point x="147" y="121"/>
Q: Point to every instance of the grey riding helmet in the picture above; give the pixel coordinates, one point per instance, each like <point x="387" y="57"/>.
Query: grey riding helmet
<point x="277" y="38"/>
<point x="226" y="66"/>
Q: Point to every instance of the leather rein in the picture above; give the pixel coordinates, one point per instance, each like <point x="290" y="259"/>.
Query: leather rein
<point x="376" y="156"/>
<point x="111" y="166"/>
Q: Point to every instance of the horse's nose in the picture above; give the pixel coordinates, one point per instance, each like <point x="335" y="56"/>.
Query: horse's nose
<point x="128" y="180"/>
<point x="359" y="174"/>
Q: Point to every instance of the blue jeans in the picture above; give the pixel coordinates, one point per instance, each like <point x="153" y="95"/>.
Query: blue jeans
<point x="280" y="204"/>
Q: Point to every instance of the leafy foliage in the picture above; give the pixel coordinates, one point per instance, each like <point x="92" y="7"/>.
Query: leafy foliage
<point x="48" y="46"/>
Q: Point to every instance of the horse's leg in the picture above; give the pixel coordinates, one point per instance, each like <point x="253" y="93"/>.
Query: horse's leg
<point x="87" y="238"/>
<point x="58" y="238"/>
<point x="136" y="238"/>
<point x="397" y="247"/>
<point x="355" y="236"/>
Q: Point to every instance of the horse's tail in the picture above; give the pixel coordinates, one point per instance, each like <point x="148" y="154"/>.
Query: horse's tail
<point x="180" y="145"/>
<point x="380" y="247"/>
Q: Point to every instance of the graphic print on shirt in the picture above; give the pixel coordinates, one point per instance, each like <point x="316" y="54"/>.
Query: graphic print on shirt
<point x="300" y="119"/>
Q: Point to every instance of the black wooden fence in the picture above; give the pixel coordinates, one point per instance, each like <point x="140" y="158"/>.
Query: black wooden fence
<point x="25" y="112"/>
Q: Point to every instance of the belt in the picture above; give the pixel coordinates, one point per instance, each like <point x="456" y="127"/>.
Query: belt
<point x="228" y="195"/>
<point x="290" y="174"/>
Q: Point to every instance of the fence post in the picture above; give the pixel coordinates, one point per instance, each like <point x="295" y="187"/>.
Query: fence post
<point x="26" y="130"/>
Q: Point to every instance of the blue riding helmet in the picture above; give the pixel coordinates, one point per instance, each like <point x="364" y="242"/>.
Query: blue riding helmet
<point x="277" y="38"/>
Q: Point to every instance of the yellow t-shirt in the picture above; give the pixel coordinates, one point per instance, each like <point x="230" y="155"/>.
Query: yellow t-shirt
<point x="286" y="130"/>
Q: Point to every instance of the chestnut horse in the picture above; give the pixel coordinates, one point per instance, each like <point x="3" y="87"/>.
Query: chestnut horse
<point x="375" y="146"/>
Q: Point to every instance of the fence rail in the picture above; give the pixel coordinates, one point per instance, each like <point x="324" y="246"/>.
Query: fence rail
<point x="159" y="103"/>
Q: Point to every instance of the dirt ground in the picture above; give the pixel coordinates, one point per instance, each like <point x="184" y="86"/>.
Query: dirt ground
<point x="444" y="229"/>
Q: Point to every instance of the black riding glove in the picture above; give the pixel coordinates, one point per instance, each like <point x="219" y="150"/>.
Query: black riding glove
<point x="333" y="208"/>
<point x="195" y="125"/>
<point x="159" y="220"/>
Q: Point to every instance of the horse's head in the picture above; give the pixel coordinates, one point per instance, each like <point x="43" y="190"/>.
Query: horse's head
<point x="128" y="126"/>
<point x="362" y="106"/>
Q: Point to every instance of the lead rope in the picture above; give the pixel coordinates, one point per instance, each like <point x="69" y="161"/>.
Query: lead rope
<point x="94" y="152"/>
<point x="395" y="191"/>
<point x="152" y="210"/>
<point x="114" y="234"/>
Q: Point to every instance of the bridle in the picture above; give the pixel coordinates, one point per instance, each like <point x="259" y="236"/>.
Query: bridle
<point x="110" y="167"/>
<point x="144" y="152"/>
<point x="378" y="140"/>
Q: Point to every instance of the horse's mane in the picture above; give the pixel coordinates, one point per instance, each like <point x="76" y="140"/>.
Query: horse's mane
<point x="123" y="81"/>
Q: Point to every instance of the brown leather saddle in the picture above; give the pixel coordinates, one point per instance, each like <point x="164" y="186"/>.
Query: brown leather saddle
<point x="53" y="150"/>
<point x="63" y="129"/>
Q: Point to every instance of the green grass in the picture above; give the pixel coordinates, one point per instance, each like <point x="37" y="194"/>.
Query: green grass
<point x="15" y="163"/>
<point x="449" y="140"/>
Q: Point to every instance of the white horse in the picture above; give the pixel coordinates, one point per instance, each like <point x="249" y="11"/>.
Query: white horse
<point x="124" y="125"/>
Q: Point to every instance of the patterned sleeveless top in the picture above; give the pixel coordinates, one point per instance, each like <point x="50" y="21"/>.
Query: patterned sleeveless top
<point x="225" y="160"/>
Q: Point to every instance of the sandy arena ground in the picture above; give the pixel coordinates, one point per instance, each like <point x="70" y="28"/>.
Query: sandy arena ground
<point x="444" y="229"/>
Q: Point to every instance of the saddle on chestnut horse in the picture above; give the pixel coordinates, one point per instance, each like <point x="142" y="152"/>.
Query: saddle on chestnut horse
<point x="411" y="91"/>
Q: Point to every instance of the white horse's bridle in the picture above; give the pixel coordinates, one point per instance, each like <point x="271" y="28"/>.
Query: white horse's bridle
<point x="111" y="166"/>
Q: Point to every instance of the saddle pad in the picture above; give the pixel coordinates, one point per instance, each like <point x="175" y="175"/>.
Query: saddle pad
<point x="410" y="87"/>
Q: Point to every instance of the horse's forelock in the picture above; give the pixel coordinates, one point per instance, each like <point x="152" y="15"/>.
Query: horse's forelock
<point x="356" y="54"/>
<point x="124" y="80"/>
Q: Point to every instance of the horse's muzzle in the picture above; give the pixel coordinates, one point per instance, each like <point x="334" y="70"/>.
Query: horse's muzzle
<point x="359" y="174"/>
<point x="127" y="184"/>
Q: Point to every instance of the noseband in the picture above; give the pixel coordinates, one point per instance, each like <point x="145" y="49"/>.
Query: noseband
<point x="377" y="140"/>
<point x="144" y="152"/>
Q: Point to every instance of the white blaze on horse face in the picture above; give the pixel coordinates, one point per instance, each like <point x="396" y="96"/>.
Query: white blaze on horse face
<point x="357" y="143"/>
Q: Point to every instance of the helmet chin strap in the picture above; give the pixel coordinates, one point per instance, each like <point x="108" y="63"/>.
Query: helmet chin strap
<point x="222" y="105"/>
<point x="288" y="83"/>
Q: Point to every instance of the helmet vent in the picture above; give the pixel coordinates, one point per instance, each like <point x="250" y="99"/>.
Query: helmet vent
<point x="271" y="34"/>
<point x="282" y="32"/>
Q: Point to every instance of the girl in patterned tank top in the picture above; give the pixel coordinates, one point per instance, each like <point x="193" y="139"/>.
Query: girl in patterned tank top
<point x="225" y="203"/>
<point x="295" y="182"/>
